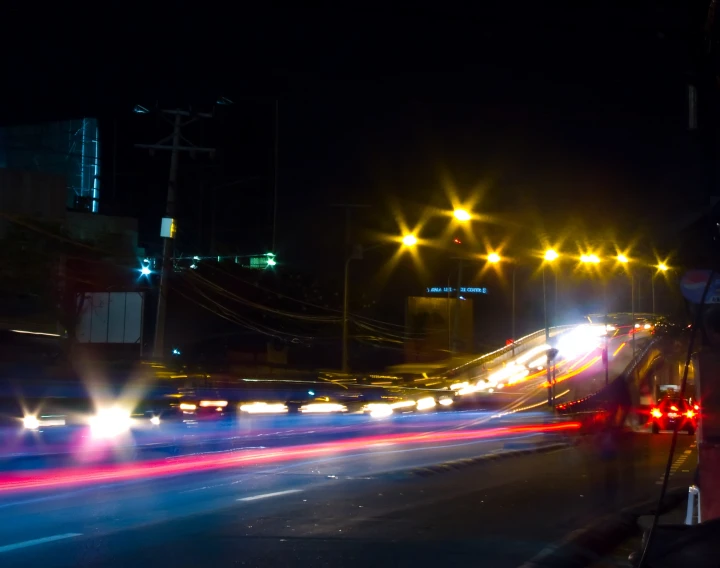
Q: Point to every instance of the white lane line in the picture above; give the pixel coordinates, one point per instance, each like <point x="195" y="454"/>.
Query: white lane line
<point x="26" y="543"/>
<point x="268" y="495"/>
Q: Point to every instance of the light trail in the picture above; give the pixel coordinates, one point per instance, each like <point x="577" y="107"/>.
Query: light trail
<point x="53" y="479"/>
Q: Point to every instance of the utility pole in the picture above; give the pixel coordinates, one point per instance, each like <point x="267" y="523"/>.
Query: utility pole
<point x="350" y="254"/>
<point x="276" y="165"/>
<point x="178" y="119"/>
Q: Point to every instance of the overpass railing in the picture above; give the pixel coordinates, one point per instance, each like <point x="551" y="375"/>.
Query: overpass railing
<point x="494" y="355"/>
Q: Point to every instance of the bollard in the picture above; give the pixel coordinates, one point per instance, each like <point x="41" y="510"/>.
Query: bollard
<point x="693" y="494"/>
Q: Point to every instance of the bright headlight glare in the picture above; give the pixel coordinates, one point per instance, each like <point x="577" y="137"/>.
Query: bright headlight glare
<point x="322" y="407"/>
<point x="209" y="403"/>
<point x="425" y="403"/>
<point x="109" y="423"/>
<point x="31" y="422"/>
<point x="445" y="401"/>
<point x="263" y="408"/>
<point x="380" y="410"/>
<point x="187" y="406"/>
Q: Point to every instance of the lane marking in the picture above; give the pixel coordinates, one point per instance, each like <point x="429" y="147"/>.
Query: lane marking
<point x="27" y="543"/>
<point x="268" y="495"/>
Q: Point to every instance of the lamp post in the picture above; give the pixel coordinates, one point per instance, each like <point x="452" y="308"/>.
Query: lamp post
<point x="550" y="256"/>
<point x="407" y="241"/>
<point x="624" y="260"/>
<point x="595" y="259"/>
<point x="463" y="216"/>
<point x="661" y="267"/>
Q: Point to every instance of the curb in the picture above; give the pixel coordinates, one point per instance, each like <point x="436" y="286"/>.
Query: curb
<point x="588" y="544"/>
<point x="487" y="458"/>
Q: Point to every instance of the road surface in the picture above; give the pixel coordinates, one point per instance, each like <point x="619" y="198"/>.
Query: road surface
<point x="333" y="511"/>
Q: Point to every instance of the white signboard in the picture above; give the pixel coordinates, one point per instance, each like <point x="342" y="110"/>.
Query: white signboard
<point x="111" y="317"/>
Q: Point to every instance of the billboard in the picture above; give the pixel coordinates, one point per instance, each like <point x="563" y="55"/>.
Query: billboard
<point x="430" y="327"/>
<point x="110" y="317"/>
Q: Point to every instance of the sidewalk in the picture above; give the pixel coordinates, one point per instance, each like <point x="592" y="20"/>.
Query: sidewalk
<point x="619" y="557"/>
<point x="608" y="542"/>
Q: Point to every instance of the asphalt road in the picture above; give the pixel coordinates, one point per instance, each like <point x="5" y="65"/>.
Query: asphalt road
<point x="334" y="512"/>
<point x="328" y="489"/>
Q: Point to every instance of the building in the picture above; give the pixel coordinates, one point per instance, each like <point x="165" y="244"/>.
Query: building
<point x="69" y="149"/>
<point x="66" y="267"/>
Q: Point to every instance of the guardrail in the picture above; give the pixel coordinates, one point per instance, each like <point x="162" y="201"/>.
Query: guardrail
<point x="493" y="355"/>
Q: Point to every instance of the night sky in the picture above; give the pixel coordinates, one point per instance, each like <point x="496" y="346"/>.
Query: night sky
<point x="557" y="119"/>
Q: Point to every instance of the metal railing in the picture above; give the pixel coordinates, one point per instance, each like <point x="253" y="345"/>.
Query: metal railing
<point x="488" y="357"/>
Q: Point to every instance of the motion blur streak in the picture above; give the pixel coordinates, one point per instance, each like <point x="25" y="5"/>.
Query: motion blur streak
<point x="51" y="479"/>
<point x="577" y="371"/>
<point x="619" y="349"/>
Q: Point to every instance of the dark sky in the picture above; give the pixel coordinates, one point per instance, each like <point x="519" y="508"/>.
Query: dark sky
<point x="565" y="116"/>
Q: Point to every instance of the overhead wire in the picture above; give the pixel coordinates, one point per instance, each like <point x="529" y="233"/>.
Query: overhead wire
<point x="380" y="333"/>
<point x="230" y="295"/>
<point x="233" y="317"/>
<point x="351" y="315"/>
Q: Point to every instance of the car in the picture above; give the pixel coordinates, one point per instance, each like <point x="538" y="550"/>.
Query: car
<point x="671" y="412"/>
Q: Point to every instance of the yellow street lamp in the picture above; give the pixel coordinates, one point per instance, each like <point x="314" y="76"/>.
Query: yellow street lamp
<point x="409" y="240"/>
<point x="589" y="259"/>
<point x="493" y="258"/>
<point x="462" y="215"/>
<point x="661" y="267"/>
<point x="621" y="258"/>
<point x="550" y="255"/>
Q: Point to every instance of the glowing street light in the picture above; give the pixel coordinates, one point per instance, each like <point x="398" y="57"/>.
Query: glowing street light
<point x="550" y="255"/>
<point x="409" y="240"/>
<point x="462" y="215"/>
<point x="622" y="259"/>
<point x="493" y="258"/>
<point x="589" y="259"/>
<point x="661" y="267"/>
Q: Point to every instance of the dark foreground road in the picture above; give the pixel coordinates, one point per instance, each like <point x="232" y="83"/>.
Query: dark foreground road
<point x="341" y="510"/>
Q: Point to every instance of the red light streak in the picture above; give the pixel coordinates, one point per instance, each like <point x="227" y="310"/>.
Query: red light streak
<point x="25" y="481"/>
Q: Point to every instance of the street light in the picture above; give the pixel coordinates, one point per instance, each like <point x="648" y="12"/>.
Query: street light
<point x="589" y="259"/>
<point x="661" y="267"/>
<point x="408" y="241"/>
<point x="622" y="259"/>
<point x="549" y="257"/>
<point x="462" y="215"/>
<point x="592" y="258"/>
<point x="495" y="258"/>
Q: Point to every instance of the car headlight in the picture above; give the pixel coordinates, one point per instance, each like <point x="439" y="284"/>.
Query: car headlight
<point x="426" y="403"/>
<point x="31" y="422"/>
<point x="109" y="423"/>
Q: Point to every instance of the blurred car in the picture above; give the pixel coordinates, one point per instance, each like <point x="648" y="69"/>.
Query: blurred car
<point x="671" y="412"/>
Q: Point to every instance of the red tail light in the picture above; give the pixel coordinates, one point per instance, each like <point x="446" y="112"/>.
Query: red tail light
<point x="655" y="412"/>
<point x="690" y="413"/>
<point x="673" y="407"/>
<point x="696" y="407"/>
